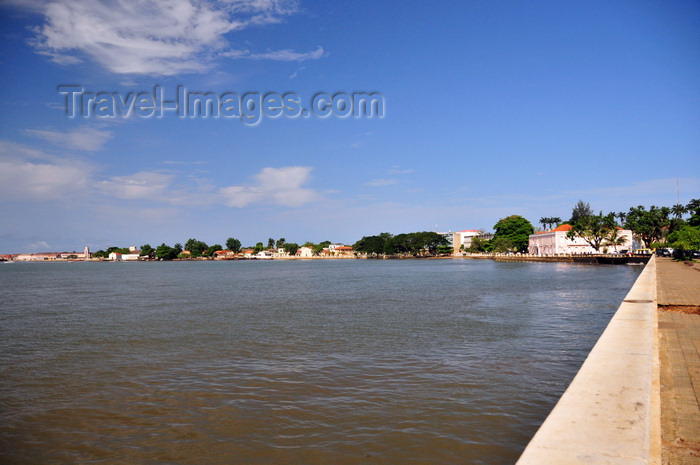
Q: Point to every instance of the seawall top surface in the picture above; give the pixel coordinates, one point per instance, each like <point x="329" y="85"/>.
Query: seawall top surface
<point x="605" y="415"/>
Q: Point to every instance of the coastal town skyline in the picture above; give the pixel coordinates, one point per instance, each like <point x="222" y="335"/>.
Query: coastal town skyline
<point x="482" y="111"/>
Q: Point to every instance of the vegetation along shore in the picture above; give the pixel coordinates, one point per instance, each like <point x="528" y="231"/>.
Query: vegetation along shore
<point x="670" y="230"/>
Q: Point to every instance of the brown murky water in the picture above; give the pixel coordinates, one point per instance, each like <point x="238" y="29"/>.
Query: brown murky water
<point x="334" y="362"/>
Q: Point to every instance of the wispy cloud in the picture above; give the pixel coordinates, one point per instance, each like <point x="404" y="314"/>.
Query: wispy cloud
<point x="178" y="162"/>
<point x="277" y="55"/>
<point x="39" y="245"/>
<point x="275" y="186"/>
<point x="394" y="170"/>
<point x="661" y="192"/>
<point x="90" y="139"/>
<point x="655" y="187"/>
<point x="155" y="37"/>
<point x="296" y="73"/>
<point x="141" y="185"/>
<point x="28" y="174"/>
<point x="382" y="182"/>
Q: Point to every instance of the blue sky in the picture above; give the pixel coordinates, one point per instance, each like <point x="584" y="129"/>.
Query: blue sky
<point x="490" y="109"/>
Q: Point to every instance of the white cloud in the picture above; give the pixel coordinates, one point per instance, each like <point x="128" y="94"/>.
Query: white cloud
<point x="155" y="37"/>
<point x="142" y="185"/>
<point x="381" y="182"/>
<point x="35" y="175"/>
<point x="26" y="173"/>
<point x="90" y="139"/>
<point x="278" y="186"/>
<point x="277" y="55"/>
<point x="40" y="245"/>
<point x="398" y="170"/>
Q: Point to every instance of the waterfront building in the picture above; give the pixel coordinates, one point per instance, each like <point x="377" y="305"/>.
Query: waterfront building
<point x="35" y="257"/>
<point x="305" y="252"/>
<point x="556" y="242"/>
<point x="449" y="235"/>
<point x="463" y="238"/>
<point x="124" y="257"/>
<point x="224" y="255"/>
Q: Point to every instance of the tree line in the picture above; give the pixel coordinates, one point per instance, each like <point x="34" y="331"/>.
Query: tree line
<point x="413" y="244"/>
<point x="194" y="248"/>
<point x="656" y="227"/>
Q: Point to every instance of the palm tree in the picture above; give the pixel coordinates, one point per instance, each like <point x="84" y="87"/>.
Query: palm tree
<point x="615" y="240"/>
<point x="678" y="210"/>
<point x="622" y="216"/>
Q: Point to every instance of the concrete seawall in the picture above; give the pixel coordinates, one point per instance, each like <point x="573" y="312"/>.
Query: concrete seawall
<point x="610" y="412"/>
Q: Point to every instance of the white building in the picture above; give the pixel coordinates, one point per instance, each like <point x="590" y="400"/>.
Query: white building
<point x="449" y="236"/>
<point x="124" y="257"/>
<point x="305" y="252"/>
<point x="464" y="238"/>
<point x="556" y="242"/>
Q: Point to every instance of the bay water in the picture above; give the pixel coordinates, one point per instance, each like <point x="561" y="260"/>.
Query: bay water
<point x="291" y="362"/>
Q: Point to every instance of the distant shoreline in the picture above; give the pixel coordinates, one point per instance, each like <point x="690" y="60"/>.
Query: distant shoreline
<point x="602" y="259"/>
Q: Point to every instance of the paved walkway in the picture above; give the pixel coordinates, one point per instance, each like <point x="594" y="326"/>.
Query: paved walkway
<point x="678" y="290"/>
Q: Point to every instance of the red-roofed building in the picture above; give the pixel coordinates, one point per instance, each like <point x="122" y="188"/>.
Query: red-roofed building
<point x="224" y="254"/>
<point x="339" y="250"/>
<point x="556" y="242"/>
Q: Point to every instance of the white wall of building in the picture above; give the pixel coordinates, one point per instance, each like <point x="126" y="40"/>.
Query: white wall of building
<point x="556" y="242"/>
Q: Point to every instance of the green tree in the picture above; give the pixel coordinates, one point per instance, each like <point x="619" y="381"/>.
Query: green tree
<point x="548" y="221"/>
<point x="100" y="254"/>
<point x="516" y="229"/>
<point x="211" y="249"/>
<point x="693" y="208"/>
<point x="258" y="247"/>
<point x="318" y="248"/>
<point x="580" y="210"/>
<point x="432" y="241"/>
<point x="648" y="225"/>
<point x="478" y="245"/>
<point x="502" y="244"/>
<point x="195" y="247"/>
<point x="685" y="239"/>
<point x="147" y="251"/>
<point x="123" y="250"/>
<point x="270" y="243"/>
<point x="291" y="248"/>
<point x="417" y="243"/>
<point x="233" y="245"/>
<point x="280" y="243"/>
<point x="593" y="229"/>
<point x="380" y="244"/>
<point x="165" y="252"/>
<point x="445" y="250"/>
<point x="622" y="216"/>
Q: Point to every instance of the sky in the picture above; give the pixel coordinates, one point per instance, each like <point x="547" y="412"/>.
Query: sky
<point x="484" y="109"/>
